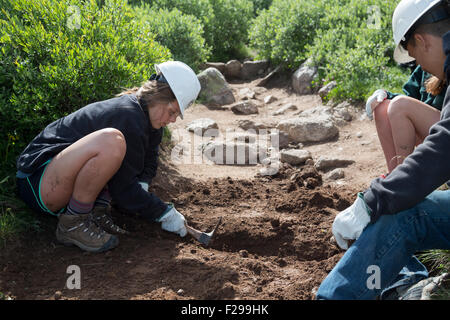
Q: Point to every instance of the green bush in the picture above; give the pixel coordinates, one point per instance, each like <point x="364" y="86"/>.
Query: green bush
<point x="181" y="33"/>
<point x="57" y="56"/>
<point x="201" y="9"/>
<point x="225" y="22"/>
<point x="350" y="41"/>
<point x="281" y="33"/>
<point x="232" y="19"/>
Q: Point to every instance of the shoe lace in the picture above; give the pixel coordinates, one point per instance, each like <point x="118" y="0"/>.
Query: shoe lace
<point x="89" y="226"/>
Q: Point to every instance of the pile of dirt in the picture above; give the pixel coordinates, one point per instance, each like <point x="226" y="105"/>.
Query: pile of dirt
<point x="273" y="243"/>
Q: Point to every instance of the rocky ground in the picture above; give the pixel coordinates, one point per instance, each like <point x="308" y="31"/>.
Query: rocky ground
<point x="274" y="241"/>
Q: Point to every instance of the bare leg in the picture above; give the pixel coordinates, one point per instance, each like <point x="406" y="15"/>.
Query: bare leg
<point x="411" y="121"/>
<point x="83" y="169"/>
<point x="384" y="131"/>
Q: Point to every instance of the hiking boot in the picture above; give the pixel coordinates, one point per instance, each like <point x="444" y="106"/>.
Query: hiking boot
<point x="102" y="218"/>
<point x="80" y="230"/>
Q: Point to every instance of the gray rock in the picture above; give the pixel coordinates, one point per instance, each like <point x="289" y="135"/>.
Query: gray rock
<point x="202" y="125"/>
<point x="269" y="99"/>
<point x="249" y="124"/>
<point x="233" y="69"/>
<point x="303" y="77"/>
<point x="309" y="129"/>
<point x="218" y="65"/>
<point x="253" y="69"/>
<point x="231" y="153"/>
<point x="325" y="90"/>
<point x="325" y="163"/>
<point x="245" y="107"/>
<point x="214" y="88"/>
<point x="285" y="108"/>
<point x="295" y="156"/>
<point x="335" y="174"/>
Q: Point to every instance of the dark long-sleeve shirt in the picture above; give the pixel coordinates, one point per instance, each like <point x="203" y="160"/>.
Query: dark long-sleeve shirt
<point x="415" y="88"/>
<point x="422" y="172"/>
<point x="140" y="162"/>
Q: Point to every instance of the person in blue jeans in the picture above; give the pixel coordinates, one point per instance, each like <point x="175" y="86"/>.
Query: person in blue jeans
<point x="403" y="213"/>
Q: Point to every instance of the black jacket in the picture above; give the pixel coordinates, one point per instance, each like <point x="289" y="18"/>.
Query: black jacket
<point x="423" y="171"/>
<point x="142" y="141"/>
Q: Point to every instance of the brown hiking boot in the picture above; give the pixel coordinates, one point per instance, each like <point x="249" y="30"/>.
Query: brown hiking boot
<point x="80" y="230"/>
<point x="102" y="217"/>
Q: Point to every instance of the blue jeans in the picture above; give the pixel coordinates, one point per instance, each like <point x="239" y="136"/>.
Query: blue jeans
<point x="382" y="257"/>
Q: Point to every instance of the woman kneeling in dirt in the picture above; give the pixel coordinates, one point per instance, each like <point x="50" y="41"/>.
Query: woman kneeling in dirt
<point x="103" y="151"/>
<point x="403" y="121"/>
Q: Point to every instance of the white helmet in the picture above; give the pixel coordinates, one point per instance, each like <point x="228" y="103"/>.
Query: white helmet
<point x="406" y="14"/>
<point x="182" y="80"/>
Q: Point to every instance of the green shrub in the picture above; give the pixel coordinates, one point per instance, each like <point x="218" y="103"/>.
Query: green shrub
<point x="232" y="19"/>
<point x="181" y="33"/>
<point x="350" y="41"/>
<point x="281" y="33"/>
<point x="57" y="56"/>
<point x="201" y="9"/>
<point x="225" y="22"/>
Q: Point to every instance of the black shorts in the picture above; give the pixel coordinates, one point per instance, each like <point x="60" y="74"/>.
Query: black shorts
<point x="29" y="190"/>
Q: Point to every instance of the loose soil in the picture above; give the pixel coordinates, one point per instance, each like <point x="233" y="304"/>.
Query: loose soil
<point x="273" y="243"/>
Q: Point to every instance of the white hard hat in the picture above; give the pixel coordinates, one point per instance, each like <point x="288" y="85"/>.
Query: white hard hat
<point x="406" y="14"/>
<point x="182" y="80"/>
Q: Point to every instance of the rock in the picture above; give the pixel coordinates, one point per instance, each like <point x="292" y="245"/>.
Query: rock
<point x="309" y="129"/>
<point x="324" y="163"/>
<point x="335" y="174"/>
<point x="295" y="156"/>
<point x="218" y="65"/>
<point x="279" y="139"/>
<point x="231" y="153"/>
<point x="233" y="69"/>
<point x="251" y="125"/>
<point x="253" y="69"/>
<point x="244" y="107"/>
<point x="284" y="108"/>
<point x="215" y="90"/>
<point x="325" y="90"/>
<point x="267" y="78"/>
<point x="269" y="99"/>
<point x="303" y="77"/>
<point x="243" y="253"/>
<point x="201" y="125"/>
<point x="180" y="292"/>
<point x="58" y="295"/>
<point x="316" y="111"/>
<point x="247" y="94"/>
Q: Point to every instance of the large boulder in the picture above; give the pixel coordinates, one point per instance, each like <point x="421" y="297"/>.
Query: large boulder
<point x="215" y="90"/>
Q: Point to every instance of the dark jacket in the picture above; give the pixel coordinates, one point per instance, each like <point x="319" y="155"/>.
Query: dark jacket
<point x="142" y="142"/>
<point x="422" y="172"/>
<point x="415" y="88"/>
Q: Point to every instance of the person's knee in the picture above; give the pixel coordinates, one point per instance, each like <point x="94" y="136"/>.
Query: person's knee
<point x="398" y="107"/>
<point x="380" y="111"/>
<point x="113" y="143"/>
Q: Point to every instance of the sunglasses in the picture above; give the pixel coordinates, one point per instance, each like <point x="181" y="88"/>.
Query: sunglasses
<point x="158" y="78"/>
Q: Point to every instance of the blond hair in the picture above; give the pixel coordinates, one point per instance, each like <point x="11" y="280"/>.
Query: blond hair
<point x="151" y="92"/>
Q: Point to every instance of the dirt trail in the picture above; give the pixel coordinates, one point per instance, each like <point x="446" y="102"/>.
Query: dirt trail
<point x="273" y="242"/>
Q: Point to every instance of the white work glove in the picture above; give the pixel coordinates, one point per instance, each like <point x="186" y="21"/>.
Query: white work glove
<point x="144" y="185"/>
<point x="173" y="221"/>
<point x="374" y="100"/>
<point x="349" y="224"/>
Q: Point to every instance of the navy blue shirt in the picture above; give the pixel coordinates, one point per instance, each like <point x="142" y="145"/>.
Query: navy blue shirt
<point x="125" y="114"/>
